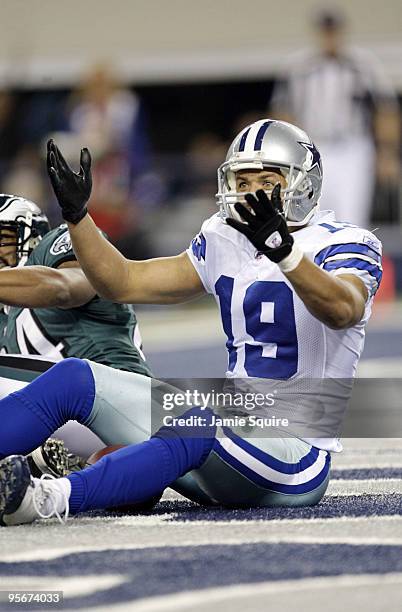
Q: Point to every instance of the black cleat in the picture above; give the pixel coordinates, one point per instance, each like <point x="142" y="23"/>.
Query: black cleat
<point x="23" y="499"/>
<point x="15" y="478"/>
<point x="53" y="458"/>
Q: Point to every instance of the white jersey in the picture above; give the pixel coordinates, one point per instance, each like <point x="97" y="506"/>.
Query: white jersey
<point x="270" y="333"/>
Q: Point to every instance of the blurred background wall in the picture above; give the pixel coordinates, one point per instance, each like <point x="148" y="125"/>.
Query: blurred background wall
<point x="46" y="41"/>
<point x="157" y="90"/>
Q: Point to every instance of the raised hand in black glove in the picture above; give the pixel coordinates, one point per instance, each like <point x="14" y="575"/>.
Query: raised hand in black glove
<point x="266" y="229"/>
<point x="72" y="189"/>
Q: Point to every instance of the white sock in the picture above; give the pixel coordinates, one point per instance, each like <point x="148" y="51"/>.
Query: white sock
<point x="65" y="485"/>
<point x="62" y="492"/>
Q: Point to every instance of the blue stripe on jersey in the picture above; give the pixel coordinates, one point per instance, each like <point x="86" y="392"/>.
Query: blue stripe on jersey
<point x="269" y="460"/>
<point x="298" y="489"/>
<point x="243" y="139"/>
<point x="261" y="134"/>
<point x="358" y="264"/>
<point x="351" y="247"/>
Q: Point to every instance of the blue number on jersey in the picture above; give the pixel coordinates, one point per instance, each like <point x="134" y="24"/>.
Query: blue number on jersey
<point x="333" y="229"/>
<point x="224" y="290"/>
<point x="280" y="334"/>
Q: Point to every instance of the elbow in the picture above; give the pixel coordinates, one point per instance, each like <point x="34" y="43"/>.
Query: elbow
<point x="110" y="294"/>
<point x="61" y="296"/>
<point x="112" y="284"/>
<point x="55" y="289"/>
<point x="342" y="315"/>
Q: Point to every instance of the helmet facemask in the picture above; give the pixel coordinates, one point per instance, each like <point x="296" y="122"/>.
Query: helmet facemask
<point x="22" y="230"/>
<point x="295" y="195"/>
<point x="274" y="144"/>
<point x="9" y="238"/>
<point x="22" y="240"/>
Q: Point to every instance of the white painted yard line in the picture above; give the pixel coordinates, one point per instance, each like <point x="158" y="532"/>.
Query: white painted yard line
<point x="369" y="463"/>
<point x="188" y="599"/>
<point x="345" y="487"/>
<point x="368" y="453"/>
<point x="71" y="586"/>
<point x="361" y="531"/>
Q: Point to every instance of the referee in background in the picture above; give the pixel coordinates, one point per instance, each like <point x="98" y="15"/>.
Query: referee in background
<point x="341" y="97"/>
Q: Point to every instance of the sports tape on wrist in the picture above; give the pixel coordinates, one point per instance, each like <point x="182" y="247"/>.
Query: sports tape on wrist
<point x="292" y="260"/>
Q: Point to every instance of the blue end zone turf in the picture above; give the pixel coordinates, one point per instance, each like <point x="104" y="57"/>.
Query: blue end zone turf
<point x="329" y="507"/>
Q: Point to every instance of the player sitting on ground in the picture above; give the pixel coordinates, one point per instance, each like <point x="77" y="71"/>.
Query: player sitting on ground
<point x="50" y="311"/>
<point x="295" y="289"/>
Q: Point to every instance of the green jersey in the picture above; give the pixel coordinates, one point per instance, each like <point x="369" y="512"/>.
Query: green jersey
<point x="100" y="330"/>
<point x="3" y="322"/>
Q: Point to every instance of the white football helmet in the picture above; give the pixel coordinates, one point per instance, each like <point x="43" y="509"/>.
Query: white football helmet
<point x="28" y="222"/>
<point x="272" y="143"/>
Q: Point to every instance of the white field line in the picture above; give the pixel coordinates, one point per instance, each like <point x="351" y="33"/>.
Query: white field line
<point x="376" y="531"/>
<point x="188" y="600"/>
<point x="380" y="486"/>
<point x="77" y="586"/>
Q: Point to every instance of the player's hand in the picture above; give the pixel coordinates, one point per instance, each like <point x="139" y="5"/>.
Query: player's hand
<point x="266" y="229"/>
<point x="72" y="189"/>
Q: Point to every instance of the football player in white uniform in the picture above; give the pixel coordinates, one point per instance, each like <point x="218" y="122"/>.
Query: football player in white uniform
<point x="295" y="289"/>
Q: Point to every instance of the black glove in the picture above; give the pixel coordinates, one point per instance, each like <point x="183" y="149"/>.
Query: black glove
<point x="72" y="189"/>
<point x="266" y="229"/>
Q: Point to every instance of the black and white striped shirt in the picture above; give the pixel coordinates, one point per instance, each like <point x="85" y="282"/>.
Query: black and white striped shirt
<point x="332" y="99"/>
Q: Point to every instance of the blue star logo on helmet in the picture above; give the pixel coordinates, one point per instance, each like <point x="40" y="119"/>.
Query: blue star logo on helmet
<point x="316" y="157"/>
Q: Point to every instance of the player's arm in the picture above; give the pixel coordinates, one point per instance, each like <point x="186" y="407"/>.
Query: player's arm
<point x="43" y="287"/>
<point x="165" y="280"/>
<point x="337" y="301"/>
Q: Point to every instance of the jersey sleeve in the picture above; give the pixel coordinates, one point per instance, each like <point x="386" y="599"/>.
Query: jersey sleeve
<point x="200" y="253"/>
<point x="360" y="254"/>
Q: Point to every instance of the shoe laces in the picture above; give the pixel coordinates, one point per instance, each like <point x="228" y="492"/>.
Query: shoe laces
<point x="43" y="492"/>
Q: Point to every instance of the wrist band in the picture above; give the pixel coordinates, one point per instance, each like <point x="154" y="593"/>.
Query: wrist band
<point x="292" y="260"/>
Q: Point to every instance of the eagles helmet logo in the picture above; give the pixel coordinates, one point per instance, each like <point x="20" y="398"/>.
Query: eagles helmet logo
<point x="62" y="244"/>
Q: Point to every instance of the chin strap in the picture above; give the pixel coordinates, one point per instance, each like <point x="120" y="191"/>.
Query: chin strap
<point x="289" y="263"/>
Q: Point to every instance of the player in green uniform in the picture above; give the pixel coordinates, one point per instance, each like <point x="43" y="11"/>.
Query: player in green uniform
<point x="97" y="329"/>
<point x="49" y="311"/>
<point x="3" y="320"/>
<point x="55" y="313"/>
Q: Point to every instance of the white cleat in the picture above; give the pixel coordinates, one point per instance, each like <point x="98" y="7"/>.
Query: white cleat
<point x="23" y="499"/>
